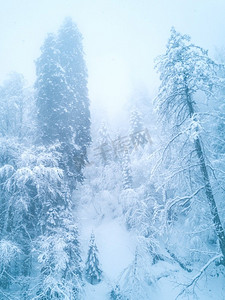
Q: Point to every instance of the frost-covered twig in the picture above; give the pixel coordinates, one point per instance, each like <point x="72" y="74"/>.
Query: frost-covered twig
<point x="164" y="151"/>
<point x="173" y="202"/>
<point x="182" y="265"/>
<point x="6" y="296"/>
<point x="198" y="276"/>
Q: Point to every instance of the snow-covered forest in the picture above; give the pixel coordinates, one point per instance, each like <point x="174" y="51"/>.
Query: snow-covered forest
<point x="125" y="207"/>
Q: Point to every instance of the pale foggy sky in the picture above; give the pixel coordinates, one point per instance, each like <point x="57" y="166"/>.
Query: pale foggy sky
<point x="121" y="38"/>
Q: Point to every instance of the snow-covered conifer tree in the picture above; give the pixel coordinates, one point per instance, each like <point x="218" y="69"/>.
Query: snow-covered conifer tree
<point x="136" y="122"/>
<point x="126" y="170"/>
<point x="75" y="98"/>
<point x="105" y="149"/>
<point x="136" y="129"/>
<point x="15" y="100"/>
<point x="62" y="100"/>
<point x="50" y="86"/>
<point x="93" y="272"/>
<point x="63" y="125"/>
<point x="116" y="293"/>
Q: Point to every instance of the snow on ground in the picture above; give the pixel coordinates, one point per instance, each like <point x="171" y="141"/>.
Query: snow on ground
<point x="116" y="249"/>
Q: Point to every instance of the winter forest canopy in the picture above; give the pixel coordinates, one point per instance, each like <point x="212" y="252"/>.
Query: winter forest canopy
<point x="130" y="205"/>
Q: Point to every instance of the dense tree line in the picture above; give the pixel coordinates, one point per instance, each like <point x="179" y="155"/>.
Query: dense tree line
<point x="41" y="162"/>
<point x="167" y="191"/>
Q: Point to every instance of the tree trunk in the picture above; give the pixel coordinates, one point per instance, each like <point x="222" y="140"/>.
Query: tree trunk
<point x="208" y="189"/>
<point x="209" y="194"/>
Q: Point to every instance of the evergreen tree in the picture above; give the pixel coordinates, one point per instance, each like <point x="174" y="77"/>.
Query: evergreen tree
<point x="136" y="122"/>
<point x="141" y="101"/>
<point x="116" y="293"/>
<point x="76" y="101"/>
<point x="136" y="129"/>
<point x="104" y="147"/>
<point x="62" y="101"/>
<point x="93" y="272"/>
<point x="64" y="123"/>
<point x="13" y="106"/>
<point x="37" y="231"/>
<point x="50" y="86"/>
<point x="126" y="170"/>
<point x="72" y="61"/>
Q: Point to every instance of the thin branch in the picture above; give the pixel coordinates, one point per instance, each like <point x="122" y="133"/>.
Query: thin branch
<point x="198" y="276"/>
<point x="170" y="204"/>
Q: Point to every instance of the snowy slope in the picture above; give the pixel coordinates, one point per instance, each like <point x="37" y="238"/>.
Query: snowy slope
<point x="116" y="249"/>
<point x="117" y="246"/>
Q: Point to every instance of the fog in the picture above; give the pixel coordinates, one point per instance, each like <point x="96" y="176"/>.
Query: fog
<point x="121" y="39"/>
<point x="101" y="195"/>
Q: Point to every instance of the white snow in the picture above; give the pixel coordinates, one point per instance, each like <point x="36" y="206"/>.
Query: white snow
<point x="116" y="250"/>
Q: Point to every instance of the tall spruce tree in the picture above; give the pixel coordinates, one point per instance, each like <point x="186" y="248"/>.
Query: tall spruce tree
<point x="64" y="124"/>
<point x="71" y="59"/>
<point x="62" y="99"/>
<point x="50" y="86"/>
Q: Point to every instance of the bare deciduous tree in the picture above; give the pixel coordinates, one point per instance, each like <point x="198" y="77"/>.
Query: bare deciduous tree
<point x="187" y="73"/>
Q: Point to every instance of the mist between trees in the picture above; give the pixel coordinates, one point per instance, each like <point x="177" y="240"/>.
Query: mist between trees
<point x="116" y="147"/>
<point x="153" y="211"/>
